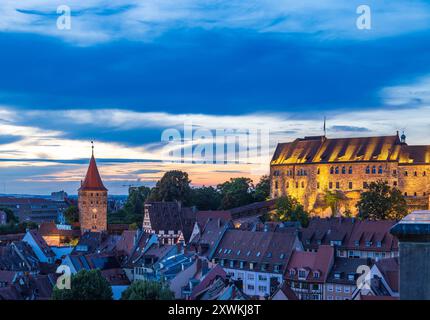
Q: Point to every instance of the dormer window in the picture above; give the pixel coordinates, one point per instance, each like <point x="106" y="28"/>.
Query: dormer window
<point x="258" y="254"/>
<point x="379" y="244"/>
<point x="368" y="243"/>
<point x="357" y="243"/>
<point x="337" y="275"/>
<point x="292" y="272"/>
<point x="302" y="274"/>
<point x="282" y="256"/>
<point x="316" y="274"/>
<point x="351" y="277"/>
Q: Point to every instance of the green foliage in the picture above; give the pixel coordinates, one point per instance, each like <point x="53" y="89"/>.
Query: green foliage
<point x="334" y="199"/>
<point x="10" y="216"/>
<point x="289" y="209"/>
<point x="173" y="186"/>
<point x="262" y="189"/>
<point x="205" y="198"/>
<point x="85" y="285"/>
<point x="71" y="215"/>
<point x="381" y="202"/>
<point x="236" y="192"/>
<point x="136" y="199"/>
<point x="148" y="290"/>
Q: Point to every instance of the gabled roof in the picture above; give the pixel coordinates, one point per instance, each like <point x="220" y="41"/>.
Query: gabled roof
<point x="93" y="181"/>
<point x="390" y="271"/>
<point x="171" y="216"/>
<point x="257" y="247"/>
<point x="320" y="261"/>
<point x="41" y="243"/>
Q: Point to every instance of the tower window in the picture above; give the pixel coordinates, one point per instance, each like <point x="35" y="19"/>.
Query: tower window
<point x="350" y="185"/>
<point x="424" y="173"/>
<point x="350" y="170"/>
<point x="395" y="183"/>
<point x="374" y="169"/>
<point x="415" y="173"/>
<point x="288" y="184"/>
<point x="297" y="184"/>
<point x="394" y="172"/>
<point x="406" y="173"/>
<point x="336" y="170"/>
<point x="343" y="170"/>
<point x="318" y="185"/>
<point x="318" y="171"/>
<point x="337" y="185"/>
<point x="330" y="185"/>
<point x="303" y="184"/>
<point x="367" y="169"/>
<point x="331" y="170"/>
<point x="380" y="170"/>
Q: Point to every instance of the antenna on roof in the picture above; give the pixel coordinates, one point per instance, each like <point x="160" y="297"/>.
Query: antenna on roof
<point x="92" y="148"/>
<point x="325" y="131"/>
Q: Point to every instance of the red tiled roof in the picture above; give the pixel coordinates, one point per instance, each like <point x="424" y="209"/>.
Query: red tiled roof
<point x="390" y="270"/>
<point x="320" y="261"/>
<point x="93" y="181"/>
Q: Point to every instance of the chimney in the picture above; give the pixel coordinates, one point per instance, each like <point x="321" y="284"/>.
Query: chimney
<point x="413" y="232"/>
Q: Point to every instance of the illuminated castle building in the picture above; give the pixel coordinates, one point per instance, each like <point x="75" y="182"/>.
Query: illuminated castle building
<point x="307" y="168"/>
<point x="92" y="200"/>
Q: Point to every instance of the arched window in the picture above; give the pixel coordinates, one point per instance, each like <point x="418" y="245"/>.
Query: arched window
<point x="350" y="170"/>
<point x="380" y="170"/>
<point x="336" y="170"/>
<point x="318" y="171"/>
<point x="343" y="170"/>
<point x="331" y="170"/>
<point x="373" y="169"/>
<point x="367" y="169"/>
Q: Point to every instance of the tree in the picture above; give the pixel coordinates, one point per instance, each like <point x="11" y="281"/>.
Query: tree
<point x="334" y="199"/>
<point x="148" y="290"/>
<point x="10" y="216"/>
<point x="173" y="186"/>
<point x="236" y="192"/>
<point x="381" y="202"/>
<point x="262" y="189"/>
<point x="289" y="209"/>
<point x="205" y="198"/>
<point x="136" y="199"/>
<point x="71" y="215"/>
<point x="85" y="285"/>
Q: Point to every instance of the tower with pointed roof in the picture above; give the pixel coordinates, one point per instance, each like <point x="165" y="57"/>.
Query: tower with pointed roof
<point x="92" y="200"/>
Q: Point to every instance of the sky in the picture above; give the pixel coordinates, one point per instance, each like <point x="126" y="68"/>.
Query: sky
<point x="126" y="71"/>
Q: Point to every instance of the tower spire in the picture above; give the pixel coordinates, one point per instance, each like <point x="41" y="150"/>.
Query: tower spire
<point x="92" y="148"/>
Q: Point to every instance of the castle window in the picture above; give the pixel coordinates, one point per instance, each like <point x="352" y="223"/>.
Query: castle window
<point x="424" y="173"/>
<point x="330" y="185"/>
<point x="297" y="184"/>
<point x="367" y="169"/>
<point x="395" y="183"/>
<point x="380" y="169"/>
<point x="276" y="184"/>
<point x="415" y="194"/>
<point x="343" y="170"/>
<point x="350" y="185"/>
<point x="337" y="185"/>
<point x="350" y="170"/>
<point x="318" y="185"/>
<point x="299" y="173"/>
<point x="318" y="171"/>
<point x="305" y="172"/>
<point x="406" y="173"/>
<point x="303" y="184"/>
<point x="336" y="171"/>
<point x="288" y="184"/>
<point x="394" y="172"/>
<point x="406" y="194"/>
<point x="415" y="173"/>
<point x="374" y="169"/>
<point x="331" y="170"/>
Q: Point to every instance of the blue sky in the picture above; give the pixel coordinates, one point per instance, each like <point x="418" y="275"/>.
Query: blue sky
<point x="129" y="69"/>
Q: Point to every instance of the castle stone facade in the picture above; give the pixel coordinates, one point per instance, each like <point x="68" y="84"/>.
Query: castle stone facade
<point x="92" y="201"/>
<point x="306" y="168"/>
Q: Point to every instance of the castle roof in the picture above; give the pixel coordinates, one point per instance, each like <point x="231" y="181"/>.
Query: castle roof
<point x="93" y="181"/>
<point x="320" y="149"/>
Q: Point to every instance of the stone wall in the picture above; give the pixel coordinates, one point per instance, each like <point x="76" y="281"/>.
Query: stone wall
<point x="309" y="182"/>
<point x="93" y="210"/>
